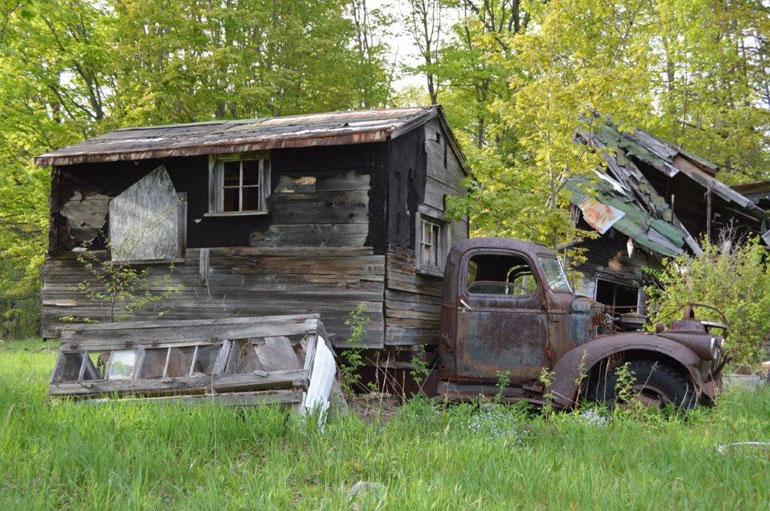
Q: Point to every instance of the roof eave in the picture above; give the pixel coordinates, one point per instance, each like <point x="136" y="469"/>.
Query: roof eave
<point x="358" y="137"/>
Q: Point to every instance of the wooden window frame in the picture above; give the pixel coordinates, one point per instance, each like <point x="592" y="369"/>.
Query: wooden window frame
<point x="217" y="186"/>
<point x="441" y="244"/>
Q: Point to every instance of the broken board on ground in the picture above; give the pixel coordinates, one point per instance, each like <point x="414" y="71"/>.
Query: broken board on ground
<point x="238" y="361"/>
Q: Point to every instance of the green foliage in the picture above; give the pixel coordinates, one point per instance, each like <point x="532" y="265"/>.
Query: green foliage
<point x="624" y="384"/>
<point x="352" y="360"/>
<point x="546" y="378"/>
<point x="420" y="370"/>
<point x="122" y="289"/>
<point x="519" y="79"/>
<point x="129" y="456"/>
<point x="732" y="276"/>
<point x="503" y="381"/>
<point x="74" y="69"/>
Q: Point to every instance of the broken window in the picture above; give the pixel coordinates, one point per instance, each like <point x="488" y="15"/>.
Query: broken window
<point x="235" y="360"/>
<point x="240" y="184"/>
<point x="432" y="246"/>
<point x="621" y="299"/>
<point x="500" y="274"/>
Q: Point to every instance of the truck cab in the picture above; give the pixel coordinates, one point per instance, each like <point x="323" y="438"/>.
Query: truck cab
<point x="509" y="316"/>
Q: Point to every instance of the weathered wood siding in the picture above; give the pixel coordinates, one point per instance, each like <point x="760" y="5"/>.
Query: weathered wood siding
<point x="241" y="282"/>
<point x="607" y="258"/>
<point x="311" y="254"/>
<point x="412" y="298"/>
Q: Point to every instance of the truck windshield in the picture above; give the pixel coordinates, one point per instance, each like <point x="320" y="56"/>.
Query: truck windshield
<point x="554" y="273"/>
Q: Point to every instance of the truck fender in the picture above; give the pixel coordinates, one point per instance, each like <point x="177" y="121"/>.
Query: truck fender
<point x="579" y="361"/>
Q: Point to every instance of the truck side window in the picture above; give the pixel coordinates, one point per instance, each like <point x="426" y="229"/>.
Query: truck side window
<point x="498" y="274"/>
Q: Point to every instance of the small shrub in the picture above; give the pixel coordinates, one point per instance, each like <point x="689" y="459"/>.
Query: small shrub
<point x="733" y="276"/>
<point x="352" y="360"/>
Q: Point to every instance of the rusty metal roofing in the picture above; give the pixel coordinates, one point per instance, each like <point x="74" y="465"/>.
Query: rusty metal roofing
<point x="606" y="206"/>
<point x="217" y="137"/>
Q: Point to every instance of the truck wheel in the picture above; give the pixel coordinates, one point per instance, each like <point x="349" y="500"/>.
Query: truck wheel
<point x="655" y="384"/>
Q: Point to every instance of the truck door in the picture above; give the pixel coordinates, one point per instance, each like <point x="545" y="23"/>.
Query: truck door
<point x="501" y="319"/>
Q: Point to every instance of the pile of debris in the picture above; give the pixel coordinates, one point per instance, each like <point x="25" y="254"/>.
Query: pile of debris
<point x="654" y="191"/>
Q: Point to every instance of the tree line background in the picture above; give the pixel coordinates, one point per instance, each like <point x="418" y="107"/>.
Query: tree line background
<point x="516" y="79"/>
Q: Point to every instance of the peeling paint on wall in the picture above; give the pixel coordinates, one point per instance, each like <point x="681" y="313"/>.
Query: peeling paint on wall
<point x="86" y="215"/>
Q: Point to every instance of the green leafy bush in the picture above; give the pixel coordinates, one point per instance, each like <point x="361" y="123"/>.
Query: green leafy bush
<point x="732" y="275"/>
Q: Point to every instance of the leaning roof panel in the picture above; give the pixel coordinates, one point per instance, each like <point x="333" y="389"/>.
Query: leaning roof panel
<point x="217" y="137"/>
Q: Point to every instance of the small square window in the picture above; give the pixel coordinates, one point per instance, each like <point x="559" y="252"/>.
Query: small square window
<point x="240" y="185"/>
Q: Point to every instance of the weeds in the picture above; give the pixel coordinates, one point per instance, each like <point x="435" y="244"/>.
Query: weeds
<point x="352" y="359"/>
<point x="503" y="381"/>
<point x="127" y="456"/>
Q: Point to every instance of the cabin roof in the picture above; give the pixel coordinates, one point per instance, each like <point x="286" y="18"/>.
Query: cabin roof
<point x="218" y="137"/>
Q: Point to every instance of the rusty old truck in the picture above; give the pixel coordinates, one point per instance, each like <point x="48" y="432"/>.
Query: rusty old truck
<point x="509" y="317"/>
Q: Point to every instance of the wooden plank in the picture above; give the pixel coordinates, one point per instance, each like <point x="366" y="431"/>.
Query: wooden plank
<point x="188" y="384"/>
<point x="331" y="235"/>
<point x="295" y="251"/>
<point x="243" y="281"/>
<point x="144" y="220"/>
<point x="323" y="207"/>
<point x="260" y="398"/>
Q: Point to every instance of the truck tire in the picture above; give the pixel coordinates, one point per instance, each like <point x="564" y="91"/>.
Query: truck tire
<point x="654" y="383"/>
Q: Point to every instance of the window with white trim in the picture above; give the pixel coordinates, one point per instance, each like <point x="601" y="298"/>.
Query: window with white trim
<point x="431" y="246"/>
<point x="240" y="184"/>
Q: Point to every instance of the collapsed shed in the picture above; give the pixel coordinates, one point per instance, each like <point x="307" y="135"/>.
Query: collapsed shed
<point x="652" y="200"/>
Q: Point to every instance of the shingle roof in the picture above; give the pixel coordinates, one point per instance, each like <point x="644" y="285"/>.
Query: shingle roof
<point x="217" y="137"/>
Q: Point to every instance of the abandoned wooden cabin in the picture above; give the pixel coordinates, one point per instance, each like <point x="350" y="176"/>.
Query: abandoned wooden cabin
<point x="289" y="215"/>
<point x="652" y="200"/>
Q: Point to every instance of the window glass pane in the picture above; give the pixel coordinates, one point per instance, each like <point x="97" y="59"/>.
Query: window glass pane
<point x="121" y="366"/>
<point x="434" y="241"/>
<point x="250" y="172"/>
<point x="232" y="173"/>
<point x="250" y="198"/>
<point x="230" y="199"/>
<point x="96" y="366"/>
<point x="180" y="361"/>
<point x="207" y="357"/>
<point x="500" y="274"/>
<point x="426" y="233"/>
<point x="154" y="362"/>
<point x="554" y="272"/>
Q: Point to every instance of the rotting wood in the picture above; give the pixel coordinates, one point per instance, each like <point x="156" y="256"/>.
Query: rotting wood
<point x="216" y="359"/>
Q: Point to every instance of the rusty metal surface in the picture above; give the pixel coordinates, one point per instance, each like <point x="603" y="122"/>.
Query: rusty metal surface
<point x="217" y="137"/>
<point x="484" y="335"/>
<point x="493" y="333"/>
<point x="599" y="216"/>
<point x="568" y="371"/>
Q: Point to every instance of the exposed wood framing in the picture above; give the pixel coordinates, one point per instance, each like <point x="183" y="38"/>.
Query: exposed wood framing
<point x="214" y="358"/>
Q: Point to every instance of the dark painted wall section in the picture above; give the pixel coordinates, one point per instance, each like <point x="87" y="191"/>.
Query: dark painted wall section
<point x="406" y="186"/>
<point x="344" y="169"/>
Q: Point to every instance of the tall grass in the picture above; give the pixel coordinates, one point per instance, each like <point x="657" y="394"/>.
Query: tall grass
<point x="160" y="456"/>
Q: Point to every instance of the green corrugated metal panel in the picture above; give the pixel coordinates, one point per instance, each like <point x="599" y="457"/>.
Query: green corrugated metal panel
<point x="635" y="223"/>
<point x="612" y="137"/>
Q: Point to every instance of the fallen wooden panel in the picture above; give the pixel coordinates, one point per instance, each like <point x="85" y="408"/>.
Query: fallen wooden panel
<point x="238" y="361"/>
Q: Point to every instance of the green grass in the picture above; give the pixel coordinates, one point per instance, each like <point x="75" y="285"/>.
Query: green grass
<point x="147" y="456"/>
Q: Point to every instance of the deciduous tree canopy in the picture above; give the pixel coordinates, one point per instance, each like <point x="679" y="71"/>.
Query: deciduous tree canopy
<point x="517" y="79"/>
